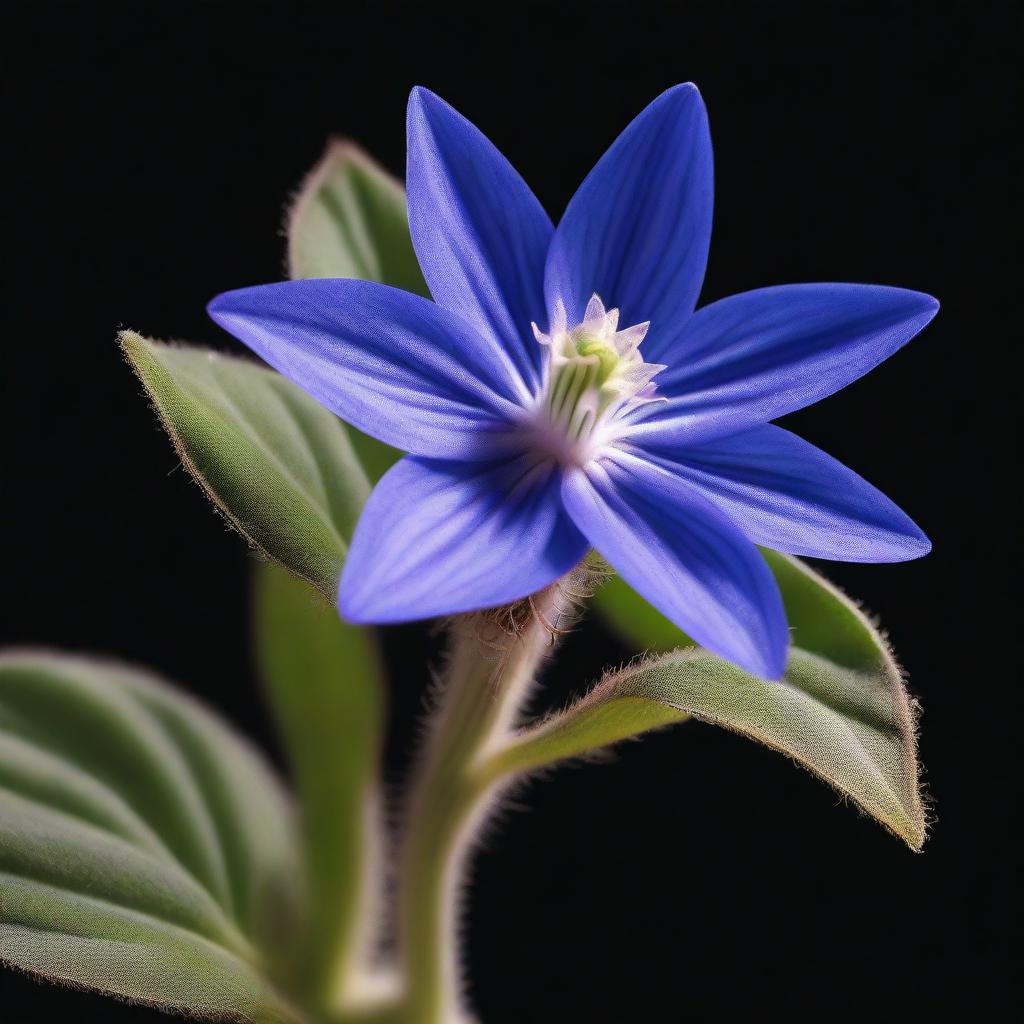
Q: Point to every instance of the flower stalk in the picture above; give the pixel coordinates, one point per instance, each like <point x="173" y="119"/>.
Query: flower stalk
<point x="494" y="661"/>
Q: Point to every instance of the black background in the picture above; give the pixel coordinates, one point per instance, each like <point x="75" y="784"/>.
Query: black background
<point x="150" y="151"/>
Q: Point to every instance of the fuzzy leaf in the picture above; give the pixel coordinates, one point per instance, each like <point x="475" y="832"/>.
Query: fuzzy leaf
<point x="324" y="680"/>
<point x="820" y="618"/>
<point x="145" y="850"/>
<point x="841" y="709"/>
<point x="277" y="464"/>
<point x="349" y="220"/>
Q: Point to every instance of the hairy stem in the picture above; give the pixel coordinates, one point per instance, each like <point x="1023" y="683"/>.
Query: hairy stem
<point x="493" y="664"/>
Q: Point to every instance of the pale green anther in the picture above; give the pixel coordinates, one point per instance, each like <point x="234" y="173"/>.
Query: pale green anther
<point x="608" y="358"/>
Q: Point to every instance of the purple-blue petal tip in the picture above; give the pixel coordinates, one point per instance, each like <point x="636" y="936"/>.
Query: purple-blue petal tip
<point x="929" y="305"/>
<point x="211" y="306"/>
<point x="685" y="92"/>
<point x="219" y="308"/>
<point x="774" y="665"/>
<point x="768" y="658"/>
<point x="919" y="544"/>
<point x="921" y="309"/>
<point x="420" y="97"/>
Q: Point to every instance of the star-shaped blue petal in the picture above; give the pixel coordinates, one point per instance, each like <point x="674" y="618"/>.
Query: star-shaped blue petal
<point x="560" y="392"/>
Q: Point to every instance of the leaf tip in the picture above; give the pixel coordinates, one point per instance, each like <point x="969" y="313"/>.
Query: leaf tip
<point x="130" y="342"/>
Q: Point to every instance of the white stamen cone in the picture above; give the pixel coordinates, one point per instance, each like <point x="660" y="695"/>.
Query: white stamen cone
<point x="594" y="374"/>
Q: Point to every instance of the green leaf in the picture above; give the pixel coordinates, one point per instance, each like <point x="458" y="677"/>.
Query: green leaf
<point x="841" y="709"/>
<point x="324" y="679"/>
<point x="145" y="850"/>
<point x="635" y="620"/>
<point x="821" y="619"/>
<point x="350" y="220"/>
<point x="277" y="464"/>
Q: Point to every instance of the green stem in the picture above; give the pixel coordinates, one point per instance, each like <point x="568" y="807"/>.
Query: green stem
<point x="488" y="678"/>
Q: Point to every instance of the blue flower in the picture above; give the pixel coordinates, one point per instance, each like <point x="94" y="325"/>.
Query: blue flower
<point x="560" y="393"/>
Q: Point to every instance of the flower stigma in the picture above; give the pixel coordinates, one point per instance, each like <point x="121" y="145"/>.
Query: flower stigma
<point x="593" y="375"/>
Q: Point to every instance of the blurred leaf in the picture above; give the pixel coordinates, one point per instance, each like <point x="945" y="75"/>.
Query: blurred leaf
<point x="277" y="464"/>
<point x="841" y="709"/>
<point x="350" y="220"/>
<point x="145" y="850"/>
<point x="325" y="687"/>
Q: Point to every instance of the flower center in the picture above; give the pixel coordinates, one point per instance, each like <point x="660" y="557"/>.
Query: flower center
<point x="594" y="374"/>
